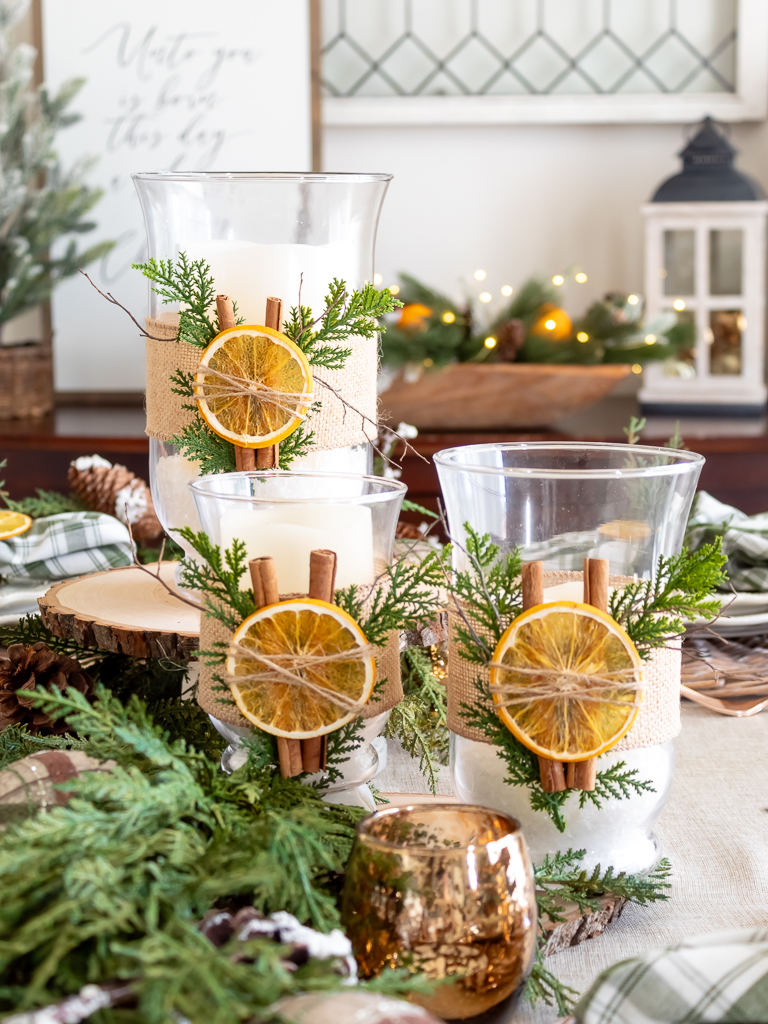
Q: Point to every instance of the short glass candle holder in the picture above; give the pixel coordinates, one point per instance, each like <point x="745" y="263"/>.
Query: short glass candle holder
<point x="562" y="502"/>
<point x="287" y="515"/>
<point x="445" y="890"/>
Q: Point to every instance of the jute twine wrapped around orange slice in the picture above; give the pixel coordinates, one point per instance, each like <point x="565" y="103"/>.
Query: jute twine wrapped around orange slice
<point x="567" y="682"/>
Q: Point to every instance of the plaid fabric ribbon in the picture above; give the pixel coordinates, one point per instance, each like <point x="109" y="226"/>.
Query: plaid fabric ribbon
<point x="70" y="544"/>
<point x="712" y="979"/>
<point x="745" y="540"/>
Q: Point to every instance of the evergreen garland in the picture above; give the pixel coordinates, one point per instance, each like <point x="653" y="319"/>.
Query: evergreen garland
<point x="321" y="339"/>
<point x="419" y="721"/>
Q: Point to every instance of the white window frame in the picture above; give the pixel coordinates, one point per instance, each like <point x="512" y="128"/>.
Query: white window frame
<point x="748" y="103"/>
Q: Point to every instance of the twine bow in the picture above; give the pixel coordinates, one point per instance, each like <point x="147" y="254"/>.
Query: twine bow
<point x="230" y="385"/>
<point x="290" y="669"/>
<point x="564" y="684"/>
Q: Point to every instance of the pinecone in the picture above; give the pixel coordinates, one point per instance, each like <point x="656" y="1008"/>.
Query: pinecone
<point x="510" y="336"/>
<point x="117" y="491"/>
<point x="29" y="666"/>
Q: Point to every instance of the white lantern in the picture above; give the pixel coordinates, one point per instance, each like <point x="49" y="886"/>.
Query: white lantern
<point x="705" y="262"/>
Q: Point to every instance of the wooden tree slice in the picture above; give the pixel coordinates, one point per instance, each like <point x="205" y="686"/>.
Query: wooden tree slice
<point x="126" y="611"/>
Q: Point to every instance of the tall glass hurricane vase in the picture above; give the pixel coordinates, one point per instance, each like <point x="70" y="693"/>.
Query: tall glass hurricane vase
<point x="262" y="234"/>
<point x="561" y="503"/>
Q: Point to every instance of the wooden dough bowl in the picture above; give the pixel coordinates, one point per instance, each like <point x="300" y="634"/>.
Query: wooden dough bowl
<point x="125" y="611"/>
<point x="497" y="396"/>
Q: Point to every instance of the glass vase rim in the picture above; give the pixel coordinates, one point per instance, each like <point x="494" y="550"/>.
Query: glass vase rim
<point x="680" y="461"/>
<point x="514" y="831"/>
<point x="390" y="489"/>
<point x="311" y="177"/>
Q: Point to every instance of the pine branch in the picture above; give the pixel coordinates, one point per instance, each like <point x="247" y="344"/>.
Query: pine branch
<point x="419" y="721"/>
<point x="46" y="503"/>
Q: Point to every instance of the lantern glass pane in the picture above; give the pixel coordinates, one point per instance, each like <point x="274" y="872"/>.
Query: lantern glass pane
<point x="683" y="363"/>
<point x="725" y="261"/>
<point x="726" y="327"/>
<point x="679" y="262"/>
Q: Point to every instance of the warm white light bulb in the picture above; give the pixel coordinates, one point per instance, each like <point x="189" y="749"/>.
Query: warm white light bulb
<point x="485" y="296"/>
<point x="633" y="299"/>
<point x="507" y="289"/>
<point x="550" y="325"/>
<point x="490" y="342"/>
<point x="637" y="368"/>
<point x="558" y="279"/>
<point x="479" y="275"/>
<point x="679" y="304"/>
<point x="394" y="289"/>
<point x="581" y="277"/>
<point x="582" y="336"/>
<point x="448" y="317"/>
<point x="377" y="278"/>
<point x="650" y="339"/>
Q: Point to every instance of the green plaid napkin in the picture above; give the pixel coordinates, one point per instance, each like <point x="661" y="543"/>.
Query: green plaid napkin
<point x="712" y="979"/>
<point x="69" y="544"/>
<point x="745" y="541"/>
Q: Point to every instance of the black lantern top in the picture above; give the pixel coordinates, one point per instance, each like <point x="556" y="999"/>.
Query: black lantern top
<point x="708" y="173"/>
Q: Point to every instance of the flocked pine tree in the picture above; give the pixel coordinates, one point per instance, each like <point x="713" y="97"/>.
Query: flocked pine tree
<point x="39" y="200"/>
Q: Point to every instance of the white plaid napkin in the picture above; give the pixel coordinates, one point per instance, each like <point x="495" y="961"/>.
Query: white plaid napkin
<point x="745" y="541"/>
<point x="712" y="979"/>
<point x="69" y="544"/>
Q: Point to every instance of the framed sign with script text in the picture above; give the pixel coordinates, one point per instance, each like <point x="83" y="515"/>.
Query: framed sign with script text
<point x="169" y="85"/>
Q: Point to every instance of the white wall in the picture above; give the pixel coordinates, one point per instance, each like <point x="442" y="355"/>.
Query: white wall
<point x="521" y="200"/>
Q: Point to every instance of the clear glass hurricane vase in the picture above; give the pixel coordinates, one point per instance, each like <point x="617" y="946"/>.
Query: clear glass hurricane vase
<point x="560" y="503"/>
<point x="262" y="234"/>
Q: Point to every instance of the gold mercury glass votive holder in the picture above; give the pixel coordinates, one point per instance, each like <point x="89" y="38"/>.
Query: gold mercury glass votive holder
<point x="445" y="890"/>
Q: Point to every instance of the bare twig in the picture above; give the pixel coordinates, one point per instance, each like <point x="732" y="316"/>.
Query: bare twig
<point x="110" y="298"/>
<point x="156" y="576"/>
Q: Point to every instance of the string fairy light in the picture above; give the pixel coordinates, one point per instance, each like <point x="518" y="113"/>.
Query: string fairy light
<point x="480" y="275"/>
<point x="490" y="342"/>
<point x="581" y="277"/>
<point x="633" y="299"/>
<point x="507" y="289"/>
<point x="582" y="336"/>
<point x="394" y="289"/>
<point x="679" y="304"/>
<point x="449" y="317"/>
<point x="637" y="368"/>
<point x="377" y="278"/>
<point x="485" y="296"/>
<point x="558" y="279"/>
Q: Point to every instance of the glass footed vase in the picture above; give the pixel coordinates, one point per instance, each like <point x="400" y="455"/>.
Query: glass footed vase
<point x="562" y="502"/>
<point x="287" y="515"/>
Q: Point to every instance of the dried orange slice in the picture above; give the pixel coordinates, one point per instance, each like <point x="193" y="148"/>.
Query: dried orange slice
<point x="284" y="634"/>
<point x="575" y="692"/>
<point x="260" y="356"/>
<point x="13" y="523"/>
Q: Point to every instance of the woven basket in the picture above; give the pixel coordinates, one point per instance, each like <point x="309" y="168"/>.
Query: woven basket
<point x="26" y="371"/>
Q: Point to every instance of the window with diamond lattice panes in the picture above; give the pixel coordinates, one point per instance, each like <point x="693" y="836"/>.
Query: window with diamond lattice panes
<point x="421" y="61"/>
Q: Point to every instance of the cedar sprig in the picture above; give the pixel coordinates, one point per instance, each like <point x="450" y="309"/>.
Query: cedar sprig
<point x="346" y="315"/>
<point x="405" y="594"/>
<point x="199" y="443"/>
<point x="490" y="592"/>
<point x="190" y="283"/>
<point x="218" y="580"/>
<point x="419" y="721"/>
<point x="617" y="782"/>
<point x="653" y="610"/>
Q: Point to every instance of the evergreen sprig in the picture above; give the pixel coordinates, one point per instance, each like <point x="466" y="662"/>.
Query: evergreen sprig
<point x="346" y="315"/>
<point x="419" y="721"/>
<point x="653" y="610"/>
<point x="561" y="879"/>
<point x="190" y="283"/>
<point x="218" y="578"/>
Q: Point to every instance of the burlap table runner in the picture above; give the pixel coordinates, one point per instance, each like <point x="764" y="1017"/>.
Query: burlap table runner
<point x="336" y="425"/>
<point x="214" y="698"/>
<point x="658" y="719"/>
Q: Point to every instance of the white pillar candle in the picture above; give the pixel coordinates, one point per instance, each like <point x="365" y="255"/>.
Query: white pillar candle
<point x="251" y="271"/>
<point x="291" y="532"/>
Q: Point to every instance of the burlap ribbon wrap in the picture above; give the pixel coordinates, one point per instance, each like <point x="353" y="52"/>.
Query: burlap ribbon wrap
<point x="214" y="698"/>
<point x="336" y="425"/>
<point x="658" y="719"/>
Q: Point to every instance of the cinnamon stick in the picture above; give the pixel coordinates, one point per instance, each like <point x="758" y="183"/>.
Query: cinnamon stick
<point x="552" y="774"/>
<point x="583" y="774"/>
<point x="322" y="585"/>
<point x="245" y="459"/>
<point x="265" y="591"/>
<point x="268" y="458"/>
<point x="533" y="584"/>
<point x="226" y="310"/>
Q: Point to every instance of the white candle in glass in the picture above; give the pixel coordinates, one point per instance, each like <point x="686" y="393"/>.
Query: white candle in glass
<point x="249" y="272"/>
<point x="291" y="532"/>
